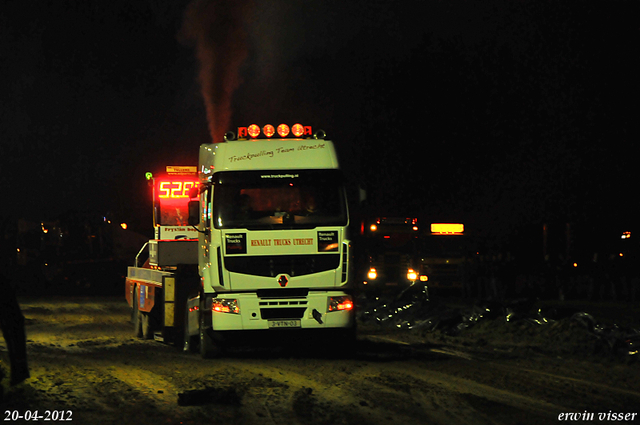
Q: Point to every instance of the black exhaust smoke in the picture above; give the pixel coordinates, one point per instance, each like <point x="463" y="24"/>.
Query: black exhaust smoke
<point x="218" y="30"/>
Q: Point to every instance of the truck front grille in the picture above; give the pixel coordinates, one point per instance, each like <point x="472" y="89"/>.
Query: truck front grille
<point x="274" y="265"/>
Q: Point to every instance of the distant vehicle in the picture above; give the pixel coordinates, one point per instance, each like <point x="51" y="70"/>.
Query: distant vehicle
<point x="256" y="240"/>
<point x="443" y="250"/>
<point x="392" y="261"/>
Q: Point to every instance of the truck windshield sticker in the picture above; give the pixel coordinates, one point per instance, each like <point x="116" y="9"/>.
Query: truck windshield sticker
<point x="327" y="241"/>
<point x="280" y="176"/>
<point x="236" y="243"/>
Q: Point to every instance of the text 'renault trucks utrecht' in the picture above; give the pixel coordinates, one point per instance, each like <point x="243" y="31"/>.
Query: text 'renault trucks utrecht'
<point x="272" y="255"/>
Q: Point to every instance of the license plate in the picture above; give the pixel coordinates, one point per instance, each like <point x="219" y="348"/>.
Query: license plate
<point x="276" y="324"/>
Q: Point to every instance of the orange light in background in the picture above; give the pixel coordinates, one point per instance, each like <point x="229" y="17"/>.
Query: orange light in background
<point x="373" y="227"/>
<point x="575" y="264"/>
<point x="447" y="228"/>
<point x="124" y="226"/>
<point x="268" y="130"/>
<point x="372" y="274"/>
<point x="253" y="130"/>
<point x="412" y="275"/>
<point x="283" y="130"/>
<point x="424" y="278"/>
<point x="297" y="130"/>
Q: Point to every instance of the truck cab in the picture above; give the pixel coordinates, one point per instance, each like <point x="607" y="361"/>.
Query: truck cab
<point x="274" y="251"/>
<point x="391" y="258"/>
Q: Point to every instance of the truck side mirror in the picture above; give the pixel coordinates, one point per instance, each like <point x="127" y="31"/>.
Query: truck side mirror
<point x="194" y="213"/>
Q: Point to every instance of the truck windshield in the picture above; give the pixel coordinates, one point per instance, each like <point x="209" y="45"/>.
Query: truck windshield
<point x="279" y="199"/>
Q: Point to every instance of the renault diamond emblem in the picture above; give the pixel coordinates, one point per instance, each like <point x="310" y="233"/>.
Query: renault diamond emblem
<point x="283" y="280"/>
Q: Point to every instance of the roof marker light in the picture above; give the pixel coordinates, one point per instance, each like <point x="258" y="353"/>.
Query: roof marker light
<point x="253" y="130"/>
<point x="372" y="274"/>
<point x="297" y="130"/>
<point x="268" y="130"/>
<point x="283" y="130"/>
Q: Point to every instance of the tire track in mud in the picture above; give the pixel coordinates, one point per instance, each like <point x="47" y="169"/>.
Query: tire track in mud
<point x="100" y="393"/>
<point x="387" y="393"/>
<point x="107" y="377"/>
<point x="454" y="399"/>
<point x="147" y="384"/>
<point x="574" y="393"/>
<point x="577" y="394"/>
<point x="342" y="397"/>
<point x="309" y="400"/>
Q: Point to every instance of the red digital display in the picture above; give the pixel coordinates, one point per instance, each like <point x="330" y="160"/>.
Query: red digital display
<point x="172" y="199"/>
<point x="175" y="189"/>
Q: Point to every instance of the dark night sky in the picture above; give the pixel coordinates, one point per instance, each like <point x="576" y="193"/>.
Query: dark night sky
<point x="488" y="112"/>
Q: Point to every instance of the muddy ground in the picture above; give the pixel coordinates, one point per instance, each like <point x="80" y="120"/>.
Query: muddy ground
<point x="87" y="367"/>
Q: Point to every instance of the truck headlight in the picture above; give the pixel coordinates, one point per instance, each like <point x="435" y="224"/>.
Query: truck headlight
<point x="412" y="275"/>
<point x="225" y="305"/>
<point x="372" y="273"/>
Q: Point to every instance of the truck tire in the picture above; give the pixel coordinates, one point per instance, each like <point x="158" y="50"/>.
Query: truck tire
<point x="208" y="347"/>
<point x="136" y="316"/>
<point x="147" y="327"/>
<point x="190" y="343"/>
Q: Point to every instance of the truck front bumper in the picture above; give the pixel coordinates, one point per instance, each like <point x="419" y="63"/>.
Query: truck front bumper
<point x="311" y="311"/>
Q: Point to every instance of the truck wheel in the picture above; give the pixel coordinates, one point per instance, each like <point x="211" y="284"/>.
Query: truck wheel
<point x="147" y="328"/>
<point x="136" y="317"/>
<point x="190" y="343"/>
<point x="208" y="347"/>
